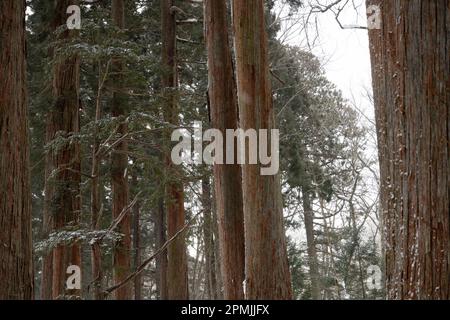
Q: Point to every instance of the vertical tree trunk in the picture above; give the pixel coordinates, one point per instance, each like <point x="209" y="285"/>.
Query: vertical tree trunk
<point x="119" y="163"/>
<point x="47" y="224"/>
<point x="311" y="246"/>
<point x="410" y="70"/>
<point x="16" y="268"/>
<point x="47" y="218"/>
<point x="266" y="264"/>
<point x="224" y="115"/>
<point x="64" y="121"/>
<point x="137" y="245"/>
<point x="177" y="277"/>
<point x="161" y="260"/>
<point x="210" y="276"/>
<point x="96" y="254"/>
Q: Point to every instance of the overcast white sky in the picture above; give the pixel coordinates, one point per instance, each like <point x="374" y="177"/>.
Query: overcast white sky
<point x="344" y="53"/>
<point x="345" y="58"/>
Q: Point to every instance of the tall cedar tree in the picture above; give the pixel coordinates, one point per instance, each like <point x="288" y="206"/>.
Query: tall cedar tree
<point x="16" y="269"/>
<point x="266" y="264"/>
<point x="177" y="277"/>
<point x="119" y="163"/>
<point x="64" y="162"/>
<point x="227" y="177"/>
<point x="410" y="70"/>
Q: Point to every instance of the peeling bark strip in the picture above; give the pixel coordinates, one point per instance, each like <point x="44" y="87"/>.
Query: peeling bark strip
<point x="266" y="263"/>
<point x="16" y="268"/>
<point x="410" y="70"/>
<point x="227" y="178"/>
<point x="64" y="119"/>
<point x="119" y="163"/>
<point x="177" y="276"/>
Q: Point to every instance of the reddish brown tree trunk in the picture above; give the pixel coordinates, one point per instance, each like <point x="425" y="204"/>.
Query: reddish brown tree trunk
<point x="119" y="163"/>
<point x="16" y="260"/>
<point x="224" y="115"/>
<point x="65" y="160"/>
<point x="410" y="70"/>
<point x="266" y="264"/>
<point x="177" y="261"/>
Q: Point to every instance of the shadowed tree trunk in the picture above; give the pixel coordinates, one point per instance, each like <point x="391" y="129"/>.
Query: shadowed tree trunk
<point x="137" y="244"/>
<point x="16" y="268"/>
<point x="410" y="71"/>
<point x="161" y="260"/>
<point x="208" y="238"/>
<point x="47" y="224"/>
<point x="47" y="219"/>
<point x="64" y="123"/>
<point x="266" y="264"/>
<point x="96" y="203"/>
<point x="177" y="277"/>
<point x="119" y="163"/>
<point x="227" y="177"/>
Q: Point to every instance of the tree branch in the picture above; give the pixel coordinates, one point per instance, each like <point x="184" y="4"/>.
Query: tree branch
<point x="142" y="267"/>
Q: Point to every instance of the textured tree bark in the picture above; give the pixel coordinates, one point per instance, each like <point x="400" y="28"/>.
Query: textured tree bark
<point x="313" y="264"/>
<point x="119" y="164"/>
<point x="266" y="264"/>
<point x="224" y="115"/>
<point x="16" y="268"/>
<point x="177" y="277"/>
<point x="410" y="71"/>
<point x="65" y="160"/>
